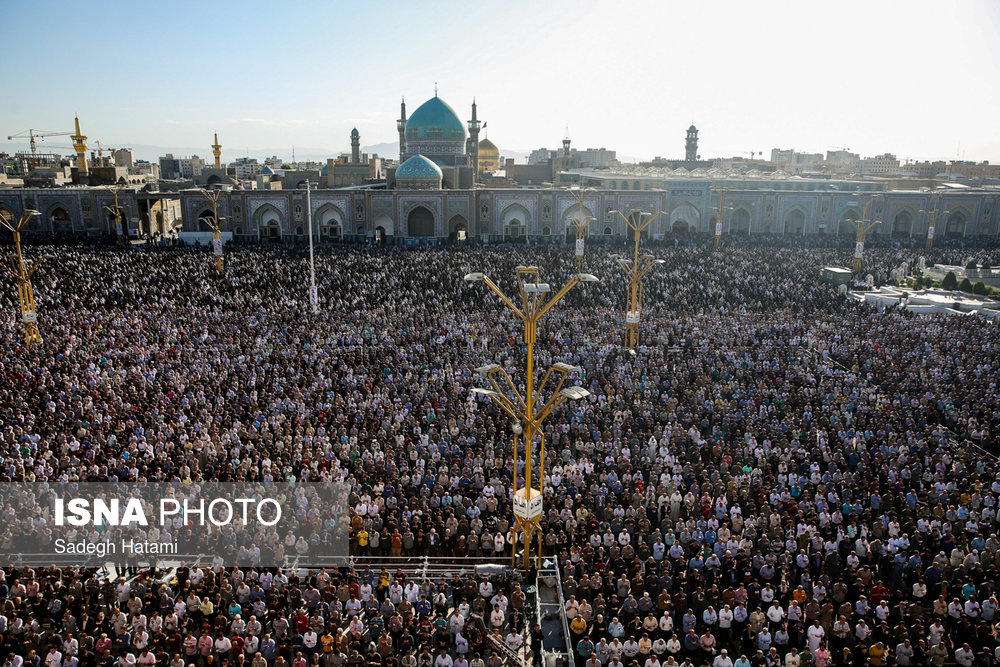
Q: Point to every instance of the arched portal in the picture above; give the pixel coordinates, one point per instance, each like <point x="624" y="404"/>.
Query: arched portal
<point x="458" y="228"/>
<point x="955" y="227"/>
<point x="902" y="224"/>
<point x="515" y="221"/>
<point x="846" y="220"/>
<point x="572" y="217"/>
<point x="116" y="216"/>
<point x="685" y="218"/>
<point x="385" y="222"/>
<point x="739" y="222"/>
<point x="203" y="225"/>
<point x="420" y="223"/>
<point x="795" y="221"/>
<point x="60" y="219"/>
<point x="269" y="221"/>
<point x="329" y="220"/>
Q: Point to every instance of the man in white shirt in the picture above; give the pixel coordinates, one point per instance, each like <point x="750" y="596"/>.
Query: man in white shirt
<point x="964" y="656"/>
<point x="723" y="659"/>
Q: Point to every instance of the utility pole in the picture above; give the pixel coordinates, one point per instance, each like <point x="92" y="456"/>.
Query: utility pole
<point x="22" y="273"/>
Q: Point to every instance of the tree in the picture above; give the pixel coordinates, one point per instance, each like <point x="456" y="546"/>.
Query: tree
<point x="965" y="285"/>
<point x="987" y="266"/>
<point x="972" y="266"/>
<point x="950" y="281"/>
<point x="979" y="289"/>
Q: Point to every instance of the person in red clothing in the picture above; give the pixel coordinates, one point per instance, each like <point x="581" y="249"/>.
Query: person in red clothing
<point x="878" y="592"/>
<point x="301" y="621"/>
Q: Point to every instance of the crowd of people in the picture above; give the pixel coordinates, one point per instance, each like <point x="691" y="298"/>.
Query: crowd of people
<point x="777" y="476"/>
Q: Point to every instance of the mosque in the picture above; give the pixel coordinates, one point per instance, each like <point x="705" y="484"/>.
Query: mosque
<point x="441" y="190"/>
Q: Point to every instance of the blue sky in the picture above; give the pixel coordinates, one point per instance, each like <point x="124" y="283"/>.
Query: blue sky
<point x="914" y="78"/>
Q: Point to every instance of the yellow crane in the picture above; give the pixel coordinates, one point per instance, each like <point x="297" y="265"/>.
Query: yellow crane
<point x="35" y="136"/>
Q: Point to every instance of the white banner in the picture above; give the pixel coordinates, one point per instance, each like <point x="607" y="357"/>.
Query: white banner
<point x="632" y="317"/>
<point x="313" y="296"/>
<point x="718" y="229"/>
<point x="579" y="247"/>
<point x="217" y="246"/>
<point x="118" y="226"/>
<point x="930" y="232"/>
<point x="29" y="316"/>
<point x="859" y="250"/>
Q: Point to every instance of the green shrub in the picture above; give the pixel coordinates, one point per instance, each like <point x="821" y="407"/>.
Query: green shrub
<point x="965" y="285"/>
<point x="979" y="288"/>
<point x="972" y="266"/>
<point x="950" y="281"/>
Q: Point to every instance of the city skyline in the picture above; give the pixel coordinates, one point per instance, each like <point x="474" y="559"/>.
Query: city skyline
<point x="751" y="78"/>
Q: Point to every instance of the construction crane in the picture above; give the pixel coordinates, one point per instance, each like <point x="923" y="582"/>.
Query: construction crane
<point x="36" y="134"/>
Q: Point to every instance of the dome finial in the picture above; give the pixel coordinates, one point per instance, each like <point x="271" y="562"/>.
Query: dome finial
<point x="435" y="89"/>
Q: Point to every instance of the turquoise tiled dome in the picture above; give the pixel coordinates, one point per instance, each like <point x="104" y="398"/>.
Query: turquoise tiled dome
<point x="418" y="168"/>
<point x="324" y="171"/>
<point x="435" y="120"/>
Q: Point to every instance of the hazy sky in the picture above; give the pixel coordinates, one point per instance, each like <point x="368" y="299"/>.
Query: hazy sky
<point x="915" y="78"/>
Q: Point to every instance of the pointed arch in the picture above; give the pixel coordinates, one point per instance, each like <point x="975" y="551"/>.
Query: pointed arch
<point x="846" y="220"/>
<point x="269" y="222"/>
<point x="200" y="218"/>
<point x="902" y="223"/>
<point x="385" y="223"/>
<point x="330" y="220"/>
<point x="739" y="221"/>
<point x="420" y="223"/>
<point x="684" y="218"/>
<point x="59" y="218"/>
<point x="458" y="228"/>
<point x="515" y="221"/>
<point x="955" y="225"/>
<point x="795" y="220"/>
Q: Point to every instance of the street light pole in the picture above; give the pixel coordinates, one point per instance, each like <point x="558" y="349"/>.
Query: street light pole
<point x="718" y="221"/>
<point x="115" y="189"/>
<point x="522" y="409"/>
<point x="22" y="273"/>
<point x="636" y="270"/>
<point x="213" y="222"/>
<point x="933" y="216"/>
<point x="313" y="296"/>
<point x="863" y="226"/>
<point x="580" y="223"/>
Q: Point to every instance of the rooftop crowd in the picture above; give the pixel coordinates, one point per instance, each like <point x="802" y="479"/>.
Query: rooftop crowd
<point x="777" y="477"/>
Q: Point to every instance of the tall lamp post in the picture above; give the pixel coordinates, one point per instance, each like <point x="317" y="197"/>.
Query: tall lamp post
<point x="22" y="273"/>
<point x="527" y="416"/>
<point x="719" y="219"/>
<point x="580" y="224"/>
<point x="635" y="269"/>
<point x="933" y="215"/>
<point x="862" y="226"/>
<point x="313" y="294"/>
<point x="117" y="212"/>
<point x="214" y="222"/>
